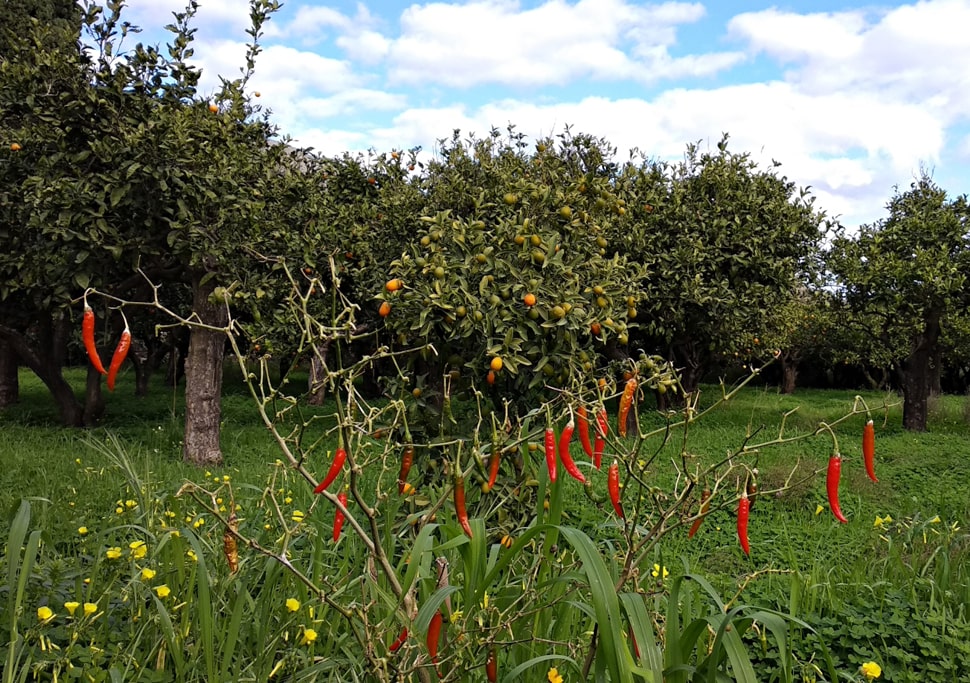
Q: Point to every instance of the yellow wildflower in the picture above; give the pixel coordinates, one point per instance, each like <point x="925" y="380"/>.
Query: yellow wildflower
<point x="309" y="635"/>
<point x="818" y="509"/>
<point x="455" y="616"/>
<point x="485" y="601"/>
<point x="199" y="522"/>
<point x="119" y="510"/>
<point x="554" y="676"/>
<point x="147" y="574"/>
<point x="130" y="504"/>
<point x="82" y="530"/>
<point x="878" y="523"/>
<point x="44" y="613"/>
<point x="90" y="608"/>
<point x="871" y="670"/>
<point x="219" y="501"/>
<point x="292" y="604"/>
<point x="657" y="569"/>
<point x="163" y="591"/>
<point x="935" y="520"/>
<point x="138" y="549"/>
<point x="288" y="500"/>
<point x="71" y="606"/>
<point x="191" y="555"/>
<point x="113" y="553"/>
<point x="297" y="516"/>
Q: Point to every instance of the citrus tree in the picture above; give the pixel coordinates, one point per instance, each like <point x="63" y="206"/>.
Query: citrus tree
<point x="910" y="269"/>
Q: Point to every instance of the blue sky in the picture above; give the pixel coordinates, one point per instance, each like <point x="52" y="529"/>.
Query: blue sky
<point x="853" y="99"/>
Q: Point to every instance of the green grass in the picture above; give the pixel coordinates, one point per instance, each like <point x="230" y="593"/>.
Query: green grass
<point x="898" y="594"/>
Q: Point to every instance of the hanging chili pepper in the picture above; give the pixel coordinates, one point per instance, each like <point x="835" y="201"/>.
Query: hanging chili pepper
<point x="705" y="506"/>
<point x="338" y="516"/>
<point x="491" y="666"/>
<point x="613" y="487"/>
<point x="396" y="645"/>
<point x="626" y="400"/>
<point x="744" y="507"/>
<point x="550" y="444"/>
<point x="434" y="636"/>
<point x="121" y="352"/>
<point x="583" y="424"/>
<point x="599" y="442"/>
<point x="869" y="449"/>
<point x="460" y="510"/>
<point x="338" y="463"/>
<point x="832" y="477"/>
<point x="565" y="456"/>
<point x="407" y="459"/>
<point x="493" y="463"/>
<point x="752" y="492"/>
<point x="87" y="336"/>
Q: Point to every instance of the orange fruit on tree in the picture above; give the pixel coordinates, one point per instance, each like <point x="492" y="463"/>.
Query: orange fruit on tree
<point x="490" y="377"/>
<point x="214" y="107"/>
<point x="385" y="309"/>
<point x="394" y="285"/>
<point x="596" y="328"/>
<point x="496" y="364"/>
<point x="529" y="299"/>
<point x="15" y="147"/>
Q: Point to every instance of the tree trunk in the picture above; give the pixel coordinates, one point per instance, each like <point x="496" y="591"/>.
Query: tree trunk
<point x="9" y="377"/>
<point x="916" y="374"/>
<point x="93" y="398"/>
<point x="40" y="356"/>
<point x="688" y="357"/>
<point x="789" y="373"/>
<point x="203" y="379"/>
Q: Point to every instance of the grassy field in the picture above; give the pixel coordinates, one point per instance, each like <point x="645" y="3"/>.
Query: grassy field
<point x="895" y="592"/>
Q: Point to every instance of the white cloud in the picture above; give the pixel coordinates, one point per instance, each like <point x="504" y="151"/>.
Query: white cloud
<point x="497" y="41"/>
<point x="230" y="16"/>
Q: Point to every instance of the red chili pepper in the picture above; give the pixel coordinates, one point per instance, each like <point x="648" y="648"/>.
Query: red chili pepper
<point x="338" y="463"/>
<point x="599" y="443"/>
<point x="550" y="443"/>
<point x="407" y="459"/>
<point x="491" y="666"/>
<point x="460" y="509"/>
<point x="832" y="486"/>
<point x="869" y="449"/>
<point x="121" y="352"/>
<point x="583" y="424"/>
<point x="566" y="457"/>
<point x="613" y="486"/>
<point x="396" y="645"/>
<point x="626" y="400"/>
<point x="493" y="464"/>
<point x="744" y="507"/>
<point x="434" y="636"/>
<point x="705" y="506"/>
<point x="87" y="335"/>
<point x="338" y="516"/>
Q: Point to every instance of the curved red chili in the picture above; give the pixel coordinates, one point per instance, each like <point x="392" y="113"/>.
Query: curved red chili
<point x="705" y="506"/>
<point x="626" y="400"/>
<point x="407" y="459"/>
<point x="599" y="443"/>
<point x="832" y="477"/>
<point x="613" y="487"/>
<point x="87" y="336"/>
<point x="566" y="456"/>
<point x="338" y="463"/>
<point x="550" y="448"/>
<point x="338" y="516"/>
<point x="582" y="423"/>
<point x="869" y="449"/>
<point x="744" y="507"/>
<point x="493" y="465"/>
<point x="460" y="510"/>
<point x="396" y="645"/>
<point x="434" y="636"/>
<point x="491" y="666"/>
<point x="121" y="352"/>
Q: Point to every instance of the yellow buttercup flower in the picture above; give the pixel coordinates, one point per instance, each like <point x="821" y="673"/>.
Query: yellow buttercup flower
<point x="878" y="523"/>
<point x="553" y="676"/>
<point x="147" y="574"/>
<point x="818" y="509"/>
<point x="71" y="606"/>
<point x="44" y="613"/>
<point x="90" y="608"/>
<point x="191" y="555"/>
<point x="138" y="549"/>
<point x="657" y="570"/>
<point x="82" y="530"/>
<point x="309" y="636"/>
<point x="292" y="604"/>
<point x="288" y="500"/>
<point x="119" y="510"/>
<point x="871" y="670"/>
<point x="163" y="591"/>
<point x="113" y="553"/>
<point x="130" y="504"/>
<point x="935" y="520"/>
<point x="297" y="516"/>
